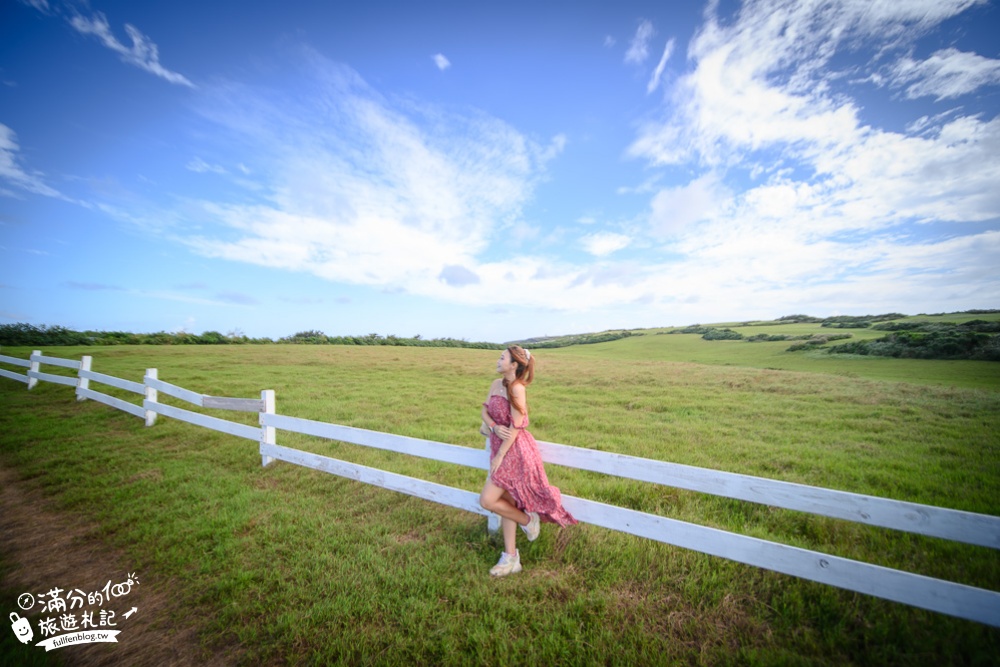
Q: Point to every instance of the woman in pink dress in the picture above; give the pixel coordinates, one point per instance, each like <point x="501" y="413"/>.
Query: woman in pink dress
<point x="517" y="488"/>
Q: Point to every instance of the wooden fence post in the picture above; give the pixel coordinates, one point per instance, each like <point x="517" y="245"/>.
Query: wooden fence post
<point x="34" y="368"/>
<point x="150" y="395"/>
<point x="267" y="434"/>
<point x="83" y="383"/>
<point x="492" y="520"/>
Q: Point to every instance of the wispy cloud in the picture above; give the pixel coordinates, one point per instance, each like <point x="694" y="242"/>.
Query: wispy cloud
<point x="638" y="48"/>
<point x="219" y="300"/>
<point x="143" y="53"/>
<point x="441" y="62"/>
<point x="16" y="175"/>
<point x="40" y="5"/>
<point x="302" y="300"/>
<point x="365" y="189"/>
<point x="93" y="287"/>
<point x="833" y="202"/>
<point x="654" y="81"/>
<point x="237" y="298"/>
<point x="199" y="166"/>
<point x="604" y="243"/>
<point x="946" y="74"/>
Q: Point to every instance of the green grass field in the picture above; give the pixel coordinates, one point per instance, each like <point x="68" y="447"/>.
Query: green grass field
<point x="296" y="566"/>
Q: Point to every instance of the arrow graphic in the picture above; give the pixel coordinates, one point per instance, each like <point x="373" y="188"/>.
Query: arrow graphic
<point x="131" y="611"/>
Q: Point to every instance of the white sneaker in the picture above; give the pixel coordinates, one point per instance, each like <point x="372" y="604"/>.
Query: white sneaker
<point x="533" y="527"/>
<point x="507" y="565"/>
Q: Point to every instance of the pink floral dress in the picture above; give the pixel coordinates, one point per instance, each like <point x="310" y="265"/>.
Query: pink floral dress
<point x="521" y="473"/>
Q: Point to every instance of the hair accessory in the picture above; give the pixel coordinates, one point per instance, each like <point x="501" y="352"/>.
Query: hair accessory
<point x="527" y="355"/>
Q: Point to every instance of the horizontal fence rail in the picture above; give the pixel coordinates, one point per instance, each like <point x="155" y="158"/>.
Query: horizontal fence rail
<point x="438" y="493"/>
<point x="112" y="381"/>
<point x="945" y="597"/>
<point x="191" y="397"/>
<point x="14" y="361"/>
<point x="198" y="419"/>
<point x="37" y="357"/>
<point x="956" y="525"/>
<point x="427" y="449"/>
<point x="124" y="406"/>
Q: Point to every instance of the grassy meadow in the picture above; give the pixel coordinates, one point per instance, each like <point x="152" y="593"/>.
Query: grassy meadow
<point x="290" y="565"/>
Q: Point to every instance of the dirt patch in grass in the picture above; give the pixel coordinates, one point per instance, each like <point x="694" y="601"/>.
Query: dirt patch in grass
<point x="43" y="548"/>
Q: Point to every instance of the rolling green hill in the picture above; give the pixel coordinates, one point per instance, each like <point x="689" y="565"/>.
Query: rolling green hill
<point x="661" y="345"/>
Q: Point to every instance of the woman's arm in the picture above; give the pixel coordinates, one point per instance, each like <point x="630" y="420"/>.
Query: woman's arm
<point x="509" y="434"/>
<point x="517" y="397"/>
<point x="484" y="413"/>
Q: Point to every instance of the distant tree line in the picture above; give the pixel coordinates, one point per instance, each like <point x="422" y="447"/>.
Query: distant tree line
<point x="913" y="339"/>
<point x="577" y="339"/>
<point x="319" y="338"/>
<point x="716" y="333"/>
<point x="841" y="321"/>
<point x="862" y="321"/>
<point x="22" y="334"/>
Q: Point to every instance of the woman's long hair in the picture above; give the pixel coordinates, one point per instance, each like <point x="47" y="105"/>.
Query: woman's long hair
<point x="523" y="375"/>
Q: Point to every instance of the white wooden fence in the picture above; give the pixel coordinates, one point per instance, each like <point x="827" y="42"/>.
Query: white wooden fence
<point x="945" y="597"/>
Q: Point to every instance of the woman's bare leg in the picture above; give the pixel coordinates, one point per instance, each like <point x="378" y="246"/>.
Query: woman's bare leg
<point x="509" y="529"/>
<point x="499" y="502"/>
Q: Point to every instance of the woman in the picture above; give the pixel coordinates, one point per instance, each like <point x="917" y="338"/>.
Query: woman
<point x="517" y="488"/>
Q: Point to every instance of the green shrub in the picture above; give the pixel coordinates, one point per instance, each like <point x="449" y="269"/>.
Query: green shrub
<point x="948" y="344"/>
<point x="722" y="334"/>
<point x="23" y="333"/>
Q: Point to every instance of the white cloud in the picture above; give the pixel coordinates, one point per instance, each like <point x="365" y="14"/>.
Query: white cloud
<point x="369" y="190"/>
<point x="521" y="232"/>
<point x="829" y="209"/>
<point x="458" y="276"/>
<point x="638" y="48"/>
<point x="40" y="5"/>
<point x="759" y="98"/>
<point x="675" y="209"/>
<point x="946" y="74"/>
<point x="600" y="244"/>
<point x="199" y="166"/>
<point x="654" y="81"/>
<point x="13" y="173"/>
<point x="143" y="53"/>
<point x="555" y="148"/>
<point x="441" y="62"/>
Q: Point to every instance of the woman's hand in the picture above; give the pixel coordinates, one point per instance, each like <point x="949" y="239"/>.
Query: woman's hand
<point x="503" y="431"/>
<point x="494" y="464"/>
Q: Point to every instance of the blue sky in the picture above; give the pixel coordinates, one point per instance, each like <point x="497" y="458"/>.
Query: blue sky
<point x="494" y="171"/>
